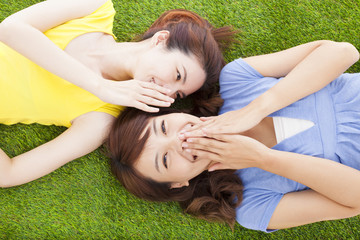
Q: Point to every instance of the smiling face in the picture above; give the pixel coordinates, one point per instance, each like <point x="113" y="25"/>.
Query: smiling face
<point x="163" y="158"/>
<point x="173" y="69"/>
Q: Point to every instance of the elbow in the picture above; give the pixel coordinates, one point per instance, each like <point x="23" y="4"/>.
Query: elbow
<point x="7" y="28"/>
<point x="6" y="179"/>
<point x="355" y="211"/>
<point x="349" y="51"/>
<point x="5" y="185"/>
<point x="6" y="182"/>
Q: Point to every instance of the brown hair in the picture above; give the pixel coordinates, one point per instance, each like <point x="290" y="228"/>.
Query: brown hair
<point x="191" y="33"/>
<point x="211" y="195"/>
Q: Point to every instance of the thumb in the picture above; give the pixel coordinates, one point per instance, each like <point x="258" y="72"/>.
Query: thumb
<point x="217" y="166"/>
<point x="204" y="119"/>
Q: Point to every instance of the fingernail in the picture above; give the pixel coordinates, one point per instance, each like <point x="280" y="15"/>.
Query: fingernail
<point x="189" y="140"/>
<point x="184" y="145"/>
<point x="171" y="100"/>
<point x="188" y="150"/>
<point x="181" y="136"/>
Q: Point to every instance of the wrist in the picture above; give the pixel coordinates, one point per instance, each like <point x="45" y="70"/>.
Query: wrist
<point x="268" y="160"/>
<point x="264" y="104"/>
<point x="96" y="87"/>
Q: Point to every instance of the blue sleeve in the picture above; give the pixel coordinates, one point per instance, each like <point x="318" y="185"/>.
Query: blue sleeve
<point x="238" y="70"/>
<point x="257" y="209"/>
<point x="240" y="84"/>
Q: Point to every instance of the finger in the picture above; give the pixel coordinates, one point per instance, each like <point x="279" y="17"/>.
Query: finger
<point x="205" y="144"/>
<point x="155" y="86"/>
<point x="224" y="138"/>
<point x="190" y="129"/>
<point x="153" y="102"/>
<point x="204" y="155"/>
<point x="206" y="118"/>
<point x="215" y="129"/>
<point x="156" y="95"/>
<point x="195" y="133"/>
<point x="196" y="128"/>
<point x="144" y="107"/>
<point x="217" y="166"/>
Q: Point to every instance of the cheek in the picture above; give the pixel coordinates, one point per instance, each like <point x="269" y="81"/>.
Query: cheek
<point x="182" y="169"/>
<point x="193" y="86"/>
<point x="186" y="170"/>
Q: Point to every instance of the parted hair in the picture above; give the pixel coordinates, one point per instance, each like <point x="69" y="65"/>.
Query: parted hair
<point x="212" y="196"/>
<point x="193" y="34"/>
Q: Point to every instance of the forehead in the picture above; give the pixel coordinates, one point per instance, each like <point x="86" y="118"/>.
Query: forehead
<point x="145" y="164"/>
<point x="195" y="76"/>
<point x="190" y="62"/>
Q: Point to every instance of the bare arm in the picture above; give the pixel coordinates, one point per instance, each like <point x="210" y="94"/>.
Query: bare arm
<point x="335" y="190"/>
<point x="306" y="69"/>
<point x="23" y="32"/>
<point x="86" y="134"/>
<point x="335" y="187"/>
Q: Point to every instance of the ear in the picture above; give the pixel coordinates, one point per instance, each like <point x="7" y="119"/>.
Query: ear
<point x="160" y="37"/>
<point x="179" y="185"/>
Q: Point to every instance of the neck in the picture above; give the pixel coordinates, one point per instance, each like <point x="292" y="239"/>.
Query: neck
<point x="264" y="132"/>
<point x="118" y="60"/>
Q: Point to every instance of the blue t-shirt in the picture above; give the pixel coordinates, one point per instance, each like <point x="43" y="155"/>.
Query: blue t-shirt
<point x="335" y="112"/>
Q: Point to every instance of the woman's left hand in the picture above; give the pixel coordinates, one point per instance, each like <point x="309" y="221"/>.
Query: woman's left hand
<point x="233" y="122"/>
<point x="227" y="151"/>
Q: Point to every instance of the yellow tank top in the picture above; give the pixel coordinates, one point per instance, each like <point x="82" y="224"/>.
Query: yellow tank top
<point x="30" y="94"/>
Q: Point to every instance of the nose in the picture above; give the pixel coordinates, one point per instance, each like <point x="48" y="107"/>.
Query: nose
<point x="164" y="84"/>
<point x="172" y="87"/>
<point x="176" y="142"/>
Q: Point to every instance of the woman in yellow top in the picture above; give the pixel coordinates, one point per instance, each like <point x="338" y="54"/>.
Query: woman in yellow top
<point x="60" y="64"/>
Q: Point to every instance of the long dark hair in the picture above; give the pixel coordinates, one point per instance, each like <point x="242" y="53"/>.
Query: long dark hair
<point x="191" y="33"/>
<point x="211" y="195"/>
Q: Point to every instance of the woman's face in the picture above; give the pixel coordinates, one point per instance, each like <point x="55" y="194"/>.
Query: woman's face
<point x="163" y="158"/>
<point x="173" y="69"/>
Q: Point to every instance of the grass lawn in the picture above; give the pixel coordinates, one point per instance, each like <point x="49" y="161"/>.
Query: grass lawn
<point x="82" y="200"/>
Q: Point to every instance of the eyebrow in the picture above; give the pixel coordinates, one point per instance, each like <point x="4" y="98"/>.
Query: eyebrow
<point x="184" y="81"/>
<point x="157" y="155"/>
<point x="185" y="75"/>
<point x="154" y="127"/>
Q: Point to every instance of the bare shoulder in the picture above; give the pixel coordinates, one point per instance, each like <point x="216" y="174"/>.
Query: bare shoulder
<point x="96" y="121"/>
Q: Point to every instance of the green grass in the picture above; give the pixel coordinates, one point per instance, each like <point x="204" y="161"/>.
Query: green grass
<point x="82" y="200"/>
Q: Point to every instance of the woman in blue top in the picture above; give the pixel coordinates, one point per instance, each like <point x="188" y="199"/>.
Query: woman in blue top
<point x="285" y="116"/>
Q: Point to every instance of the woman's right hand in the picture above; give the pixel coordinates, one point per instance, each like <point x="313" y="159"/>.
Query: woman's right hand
<point x="227" y="151"/>
<point x="134" y="93"/>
